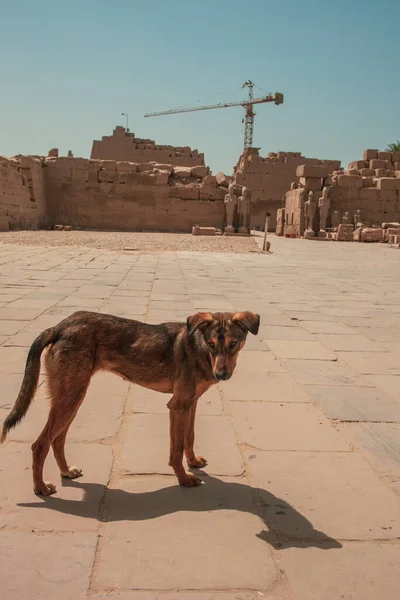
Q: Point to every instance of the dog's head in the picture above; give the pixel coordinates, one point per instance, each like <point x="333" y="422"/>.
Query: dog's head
<point x="225" y="335"/>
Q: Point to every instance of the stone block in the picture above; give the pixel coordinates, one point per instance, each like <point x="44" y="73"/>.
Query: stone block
<point x="397" y="174"/>
<point x="385" y="155"/>
<point x="162" y="167"/>
<point x="161" y="177"/>
<point x="53" y="152"/>
<point x="224" y="180"/>
<point x="353" y="171"/>
<point x="366" y="172"/>
<point x="380" y="173"/>
<point x="350" y="181"/>
<point x="377" y="163"/>
<point x="129" y="178"/>
<point x="108" y="165"/>
<point x="27" y="162"/>
<point x="124" y="165"/>
<point x="390" y="165"/>
<point x="357" y="164"/>
<point x="395" y="157"/>
<point x="370" y="154"/>
<point x="198" y="230"/>
<point x="387" y="195"/>
<point x="210" y="180"/>
<point x="311" y="183"/>
<point x="317" y="171"/>
<point x="368" y="181"/>
<point x="184" y="192"/>
<point x="345" y="233"/>
<point x="199" y="171"/>
<point x="94" y="165"/>
<point x="386" y="183"/>
<point x="107" y="176"/>
<point x="372" y="235"/>
<point x="210" y="193"/>
<point x="92" y="176"/>
<point x="4" y="223"/>
<point x="389" y="173"/>
<point x="182" y="172"/>
<point x="143" y="167"/>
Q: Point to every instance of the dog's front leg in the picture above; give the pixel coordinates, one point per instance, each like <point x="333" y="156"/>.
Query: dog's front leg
<point x="178" y="418"/>
<point x="192" y="459"/>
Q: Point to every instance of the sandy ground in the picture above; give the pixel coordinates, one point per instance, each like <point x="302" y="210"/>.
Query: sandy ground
<point x="114" y="240"/>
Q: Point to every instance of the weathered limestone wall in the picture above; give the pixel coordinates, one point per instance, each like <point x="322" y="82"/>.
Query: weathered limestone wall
<point x="122" y="145"/>
<point x="269" y="178"/>
<point x="368" y="186"/>
<point x="129" y="196"/>
<point x="22" y="193"/>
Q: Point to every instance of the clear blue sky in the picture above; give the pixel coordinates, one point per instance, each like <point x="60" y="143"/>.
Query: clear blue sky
<point x="70" y="68"/>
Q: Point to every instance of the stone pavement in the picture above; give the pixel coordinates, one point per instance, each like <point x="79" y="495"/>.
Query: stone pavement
<point x="301" y="497"/>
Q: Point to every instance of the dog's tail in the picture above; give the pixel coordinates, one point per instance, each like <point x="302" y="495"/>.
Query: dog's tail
<point x="30" y="381"/>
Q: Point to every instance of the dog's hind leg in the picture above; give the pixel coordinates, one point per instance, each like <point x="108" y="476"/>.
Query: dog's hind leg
<point x="68" y="381"/>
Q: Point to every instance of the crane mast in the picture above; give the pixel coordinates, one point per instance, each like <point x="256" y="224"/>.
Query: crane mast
<point x="248" y="104"/>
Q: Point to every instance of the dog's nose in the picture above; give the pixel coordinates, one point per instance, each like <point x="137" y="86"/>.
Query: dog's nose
<point x="221" y="375"/>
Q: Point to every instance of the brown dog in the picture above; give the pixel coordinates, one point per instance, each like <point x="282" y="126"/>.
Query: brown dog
<point x="184" y="359"/>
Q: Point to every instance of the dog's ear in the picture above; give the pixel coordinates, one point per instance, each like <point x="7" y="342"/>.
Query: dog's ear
<point x="195" y="321"/>
<point x="248" y="320"/>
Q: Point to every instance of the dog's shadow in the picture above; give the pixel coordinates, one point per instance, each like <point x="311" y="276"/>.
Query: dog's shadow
<point x="285" y="526"/>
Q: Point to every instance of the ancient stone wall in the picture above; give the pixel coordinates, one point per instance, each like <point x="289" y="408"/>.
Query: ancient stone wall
<point x="123" y="145"/>
<point x="368" y="186"/>
<point x="128" y="196"/>
<point x="22" y="194"/>
<point x="269" y="178"/>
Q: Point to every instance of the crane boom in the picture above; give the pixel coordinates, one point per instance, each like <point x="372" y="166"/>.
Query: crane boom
<point x="247" y="104"/>
<point x="277" y="98"/>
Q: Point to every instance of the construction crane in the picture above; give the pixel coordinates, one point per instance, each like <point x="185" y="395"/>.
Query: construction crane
<point x="247" y="104"/>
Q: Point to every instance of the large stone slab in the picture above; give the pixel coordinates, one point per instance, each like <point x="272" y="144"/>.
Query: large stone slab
<point x="388" y="383"/>
<point x="355" y="572"/>
<point x="272" y="387"/>
<point x="146" y="446"/>
<point x="287" y="426"/>
<point x="301" y="349"/>
<point x="46" y="566"/>
<point x="350" y="343"/>
<point x="12" y="360"/>
<point x="148" y="516"/>
<point x="75" y="507"/>
<point x="184" y="595"/>
<point x="276" y="332"/>
<point x="380" y="444"/>
<point x="355" y="403"/>
<point x="318" y="372"/>
<point x="372" y="363"/>
<point x="336" y="494"/>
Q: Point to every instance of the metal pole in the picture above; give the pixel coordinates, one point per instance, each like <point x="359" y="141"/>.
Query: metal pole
<point x="125" y="115"/>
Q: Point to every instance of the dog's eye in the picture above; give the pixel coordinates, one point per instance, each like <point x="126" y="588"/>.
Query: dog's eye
<point x="233" y="344"/>
<point x="211" y="345"/>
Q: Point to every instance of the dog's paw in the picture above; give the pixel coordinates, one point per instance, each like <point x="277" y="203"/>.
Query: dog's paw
<point x="190" y="481"/>
<point x="199" y="462"/>
<point x="46" y="489"/>
<point x="72" y="473"/>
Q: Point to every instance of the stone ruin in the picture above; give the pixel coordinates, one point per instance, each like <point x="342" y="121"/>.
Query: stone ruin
<point x="268" y="179"/>
<point x="344" y="205"/>
<point x="122" y="145"/>
<point x="41" y="192"/>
